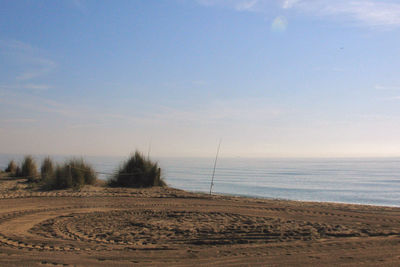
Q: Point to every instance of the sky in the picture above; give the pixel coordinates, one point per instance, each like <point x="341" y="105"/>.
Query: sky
<point x="272" y="78"/>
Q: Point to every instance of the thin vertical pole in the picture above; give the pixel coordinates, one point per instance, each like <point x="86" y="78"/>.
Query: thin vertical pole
<point x="215" y="165"/>
<point x="148" y="150"/>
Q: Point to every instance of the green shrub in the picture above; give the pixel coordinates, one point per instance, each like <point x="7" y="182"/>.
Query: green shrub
<point x="137" y="171"/>
<point x="73" y="174"/>
<point x="47" y="170"/>
<point x="11" y="168"/>
<point x="29" y="169"/>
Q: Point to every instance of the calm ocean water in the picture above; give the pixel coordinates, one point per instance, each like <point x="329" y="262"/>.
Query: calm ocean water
<point x="361" y="181"/>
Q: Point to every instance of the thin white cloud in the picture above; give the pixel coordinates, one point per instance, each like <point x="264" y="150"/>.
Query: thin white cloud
<point x="199" y="82"/>
<point x="15" y="45"/>
<point x="371" y="13"/>
<point x="247" y="110"/>
<point x="36" y="87"/>
<point x="36" y="67"/>
<point x="30" y="59"/>
<point x="34" y="104"/>
<point x="387" y="87"/>
<point x="338" y="69"/>
<point x="289" y="3"/>
<point x="69" y="113"/>
<point x="29" y="86"/>
<point x="79" y="5"/>
<point x="86" y="125"/>
<point x="18" y="120"/>
<point x="392" y="98"/>
<point x="246" y="5"/>
<point x="366" y="12"/>
<point x="239" y="5"/>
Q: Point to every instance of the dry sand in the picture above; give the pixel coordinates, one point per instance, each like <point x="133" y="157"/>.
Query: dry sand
<point x="100" y="226"/>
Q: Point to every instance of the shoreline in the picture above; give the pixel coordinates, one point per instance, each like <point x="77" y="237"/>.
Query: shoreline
<point x="31" y="193"/>
<point x="101" y="186"/>
<point x="287" y="199"/>
<point x="331" y="181"/>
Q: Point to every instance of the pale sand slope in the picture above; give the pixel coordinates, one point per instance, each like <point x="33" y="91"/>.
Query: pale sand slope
<point x="106" y="226"/>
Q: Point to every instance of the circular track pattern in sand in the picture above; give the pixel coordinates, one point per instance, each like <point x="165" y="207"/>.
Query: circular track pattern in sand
<point x="173" y="227"/>
<point x="142" y="227"/>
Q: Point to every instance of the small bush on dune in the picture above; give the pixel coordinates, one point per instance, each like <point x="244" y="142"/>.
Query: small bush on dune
<point x="29" y="169"/>
<point x="138" y="171"/>
<point x="11" y="168"/>
<point x="73" y="174"/>
<point x="62" y="178"/>
<point x="47" y="170"/>
<point x="82" y="172"/>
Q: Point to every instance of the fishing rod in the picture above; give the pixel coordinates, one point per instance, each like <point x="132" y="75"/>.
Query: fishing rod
<point x="215" y="165"/>
<point x="148" y="150"/>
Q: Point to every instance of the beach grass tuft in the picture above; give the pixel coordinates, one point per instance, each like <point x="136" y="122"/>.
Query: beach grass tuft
<point x="72" y="174"/>
<point x="11" y="168"/>
<point x="138" y="171"/>
<point x="29" y="169"/>
<point x="47" y="171"/>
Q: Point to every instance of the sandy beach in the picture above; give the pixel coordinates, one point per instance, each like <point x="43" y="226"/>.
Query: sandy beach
<point x="99" y="226"/>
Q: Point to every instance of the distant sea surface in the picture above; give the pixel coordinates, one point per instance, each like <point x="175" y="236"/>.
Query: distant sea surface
<point x="374" y="181"/>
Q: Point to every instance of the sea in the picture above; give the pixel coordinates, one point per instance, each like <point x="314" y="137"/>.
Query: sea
<point x="371" y="181"/>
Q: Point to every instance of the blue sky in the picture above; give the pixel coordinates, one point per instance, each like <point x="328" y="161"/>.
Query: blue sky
<point x="272" y="78"/>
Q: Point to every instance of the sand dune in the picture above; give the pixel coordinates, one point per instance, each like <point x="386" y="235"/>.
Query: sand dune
<point x="108" y="226"/>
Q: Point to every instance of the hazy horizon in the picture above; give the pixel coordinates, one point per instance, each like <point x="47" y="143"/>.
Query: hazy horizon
<point x="14" y="156"/>
<point x="272" y="78"/>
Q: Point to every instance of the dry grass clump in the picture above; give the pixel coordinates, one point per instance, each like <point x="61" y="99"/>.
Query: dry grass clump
<point x="137" y="171"/>
<point x="72" y="174"/>
<point x="11" y="168"/>
<point x="29" y="169"/>
<point x="47" y="171"/>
